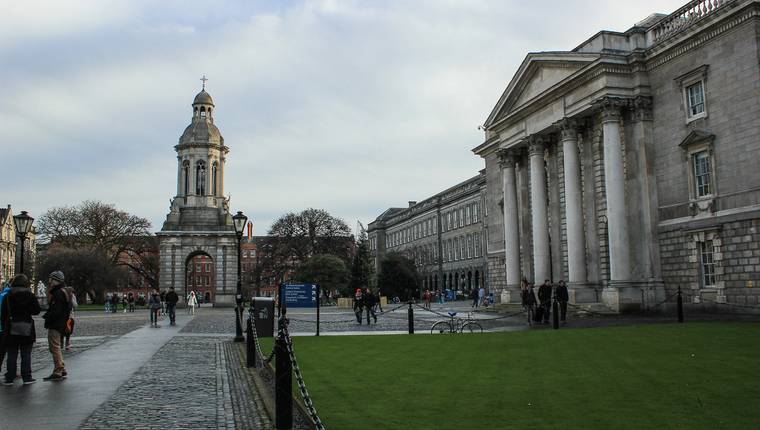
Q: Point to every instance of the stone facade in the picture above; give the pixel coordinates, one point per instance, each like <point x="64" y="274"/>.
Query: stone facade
<point x="10" y="248"/>
<point x="199" y="222"/>
<point x="444" y="235"/>
<point x="624" y="166"/>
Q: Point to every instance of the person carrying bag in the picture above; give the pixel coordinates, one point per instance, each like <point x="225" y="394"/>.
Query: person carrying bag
<point x="17" y="310"/>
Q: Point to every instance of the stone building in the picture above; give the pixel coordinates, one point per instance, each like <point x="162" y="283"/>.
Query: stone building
<point x="625" y="166"/>
<point x="443" y="234"/>
<point x="10" y="248"/>
<point x="199" y="221"/>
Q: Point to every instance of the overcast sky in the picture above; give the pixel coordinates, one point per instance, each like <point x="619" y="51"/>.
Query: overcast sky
<point x="348" y="106"/>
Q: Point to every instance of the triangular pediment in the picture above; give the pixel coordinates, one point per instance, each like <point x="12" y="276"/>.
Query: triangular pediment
<point x="538" y="73"/>
<point x="695" y="137"/>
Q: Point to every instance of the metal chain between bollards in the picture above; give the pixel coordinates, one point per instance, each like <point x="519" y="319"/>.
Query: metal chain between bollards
<point x="301" y="384"/>
<point x="259" y="352"/>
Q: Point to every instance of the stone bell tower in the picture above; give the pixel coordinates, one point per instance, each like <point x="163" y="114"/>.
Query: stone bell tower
<point x="199" y="221"/>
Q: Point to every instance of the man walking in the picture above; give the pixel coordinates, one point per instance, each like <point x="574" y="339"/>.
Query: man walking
<point x="55" y="322"/>
<point x="171" y="305"/>
<point x="369" y="304"/>
<point x="545" y="299"/>
<point x="562" y="297"/>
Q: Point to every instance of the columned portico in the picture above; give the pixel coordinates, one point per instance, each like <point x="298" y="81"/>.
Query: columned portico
<point x="541" y="252"/>
<point x="507" y="159"/>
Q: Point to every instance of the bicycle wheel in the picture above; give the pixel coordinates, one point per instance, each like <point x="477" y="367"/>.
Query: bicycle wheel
<point x="441" y="327"/>
<point x="472" y="327"/>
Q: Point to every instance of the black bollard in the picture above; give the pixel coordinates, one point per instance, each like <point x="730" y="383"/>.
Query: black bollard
<point x="250" y="353"/>
<point x="555" y="314"/>
<point x="679" y="305"/>
<point x="283" y="384"/>
<point x="411" y="319"/>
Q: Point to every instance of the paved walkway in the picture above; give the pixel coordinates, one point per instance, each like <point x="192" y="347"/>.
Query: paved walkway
<point x="148" y="378"/>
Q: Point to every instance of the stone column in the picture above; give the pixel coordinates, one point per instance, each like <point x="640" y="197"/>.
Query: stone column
<point x="511" y="220"/>
<point x="541" y="253"/>
<point x="614" y="182"/>
<point x="576" y="244"/>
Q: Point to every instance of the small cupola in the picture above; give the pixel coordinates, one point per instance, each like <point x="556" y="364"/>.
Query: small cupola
<point x="203" y="104"/>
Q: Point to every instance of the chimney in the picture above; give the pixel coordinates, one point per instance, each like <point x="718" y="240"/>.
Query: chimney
<point x="412" y="203"/>
<point x="250" y="230"/>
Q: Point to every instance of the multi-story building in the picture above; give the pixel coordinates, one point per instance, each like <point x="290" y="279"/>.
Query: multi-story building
<point x="443" y="234"/>
<point x="626" y="165"/>
<point x="10" y="247"/>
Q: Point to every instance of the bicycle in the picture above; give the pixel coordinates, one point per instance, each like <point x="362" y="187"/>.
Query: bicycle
<point x="456" y="325"/>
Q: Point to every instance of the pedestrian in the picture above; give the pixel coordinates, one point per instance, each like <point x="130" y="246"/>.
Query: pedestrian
<point x="131" y="302"/>
<point x="475" y="298"/>
<point x="154" y="304"/>
<point x="192" y="302"/>
<point x="3" y="292"/>
<point x="545" y="299"/>
<point x="163" y="302"/>
<point x="69" y="329"/>
<point x="124" y="302"/>
<point x="358" y="303"/>
<point x="369" y="304"/>
<point x="108" y="302"/>
<point x="171" y="305"/>
<point x="114" y="302"/>
<point x="482" y="295"/>
<point x="56" y="318"/>
<point x="562" y="297"/>
<point x="18" y="306"/>
<point x="528" y="299"/>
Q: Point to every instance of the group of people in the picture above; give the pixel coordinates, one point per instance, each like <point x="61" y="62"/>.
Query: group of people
<point x="165" y="303"/>
<point x="18" y="305"/>
<point x="539" y="310"/>
<point x="366" y="302"/>
<point x="127" y="301"/>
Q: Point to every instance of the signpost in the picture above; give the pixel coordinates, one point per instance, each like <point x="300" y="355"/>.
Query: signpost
<point x="302" y="296"/>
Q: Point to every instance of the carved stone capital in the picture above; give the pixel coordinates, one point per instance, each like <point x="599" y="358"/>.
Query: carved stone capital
<point x="611" y="108"/>
<point x="537" y="145"/>
<point x="507" y="158"/>
<point x="642" y="108"/>
<point x="568" y="129"/>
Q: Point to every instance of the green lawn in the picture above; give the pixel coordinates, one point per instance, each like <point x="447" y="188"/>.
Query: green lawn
<point x="691" y="376"/>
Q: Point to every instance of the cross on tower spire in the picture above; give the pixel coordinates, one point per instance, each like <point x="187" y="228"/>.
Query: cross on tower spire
<point x="203" y="79"/>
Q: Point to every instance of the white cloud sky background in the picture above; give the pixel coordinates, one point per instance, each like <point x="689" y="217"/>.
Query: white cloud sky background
<point x="348" y="106"/>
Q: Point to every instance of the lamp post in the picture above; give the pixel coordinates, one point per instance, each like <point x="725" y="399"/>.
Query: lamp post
<point x="23" y="223"/>
<point x="240" y="221"/>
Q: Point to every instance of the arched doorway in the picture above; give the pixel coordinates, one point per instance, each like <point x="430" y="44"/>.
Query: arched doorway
<point x="469" y="280"/>
<point x="477" y="279"/>
<point x="200" y="277"/>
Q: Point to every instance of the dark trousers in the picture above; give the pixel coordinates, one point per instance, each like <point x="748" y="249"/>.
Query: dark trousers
<point x="131" y="307"/>
<point x="547" y="310"/>
<point x="371" y="310"/>
<point x="170" y="309"/>
<point x="562" y="310"/>
<point x="26" y="362"/>
<point x="2" y="350"/>
<point x="154" y="315"/>
<point x="359" y="311"/>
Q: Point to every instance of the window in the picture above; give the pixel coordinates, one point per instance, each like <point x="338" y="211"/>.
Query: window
<point x="469" y="246"/>
<point x="208" y="267"/>
<point x="197" y="280"/>
<point x="213" y="178"/>
<point x="186" y="173"/>
<point x="477" y="244"/>
<point x="707" y="263"/>
<point x="448" y="224"/>
<point x="694" y="92"/>
<point x="467" y="216"/>
<point x="197" y="267"/>
<point x="475" y="213"/>
<point x="701" y="161"/>
<point x="457" y="253"/>
<point x="696" y="97"/>
<point x="200" y="178"/>
<point x="463" y="245"/>
<point x="461" y="217"/>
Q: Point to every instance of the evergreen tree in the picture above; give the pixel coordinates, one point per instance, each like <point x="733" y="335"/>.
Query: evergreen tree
<point x="362" y="267"/>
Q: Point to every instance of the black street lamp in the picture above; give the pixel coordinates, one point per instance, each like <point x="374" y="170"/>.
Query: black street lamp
<point x="23" y="223"/>
<point x="240" y="221"/>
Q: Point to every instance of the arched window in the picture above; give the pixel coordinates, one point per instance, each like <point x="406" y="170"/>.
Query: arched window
<point x="195" y="111"/>
<point x="203" y="112"/>
<point x="186" y="174"/>
<point x="213" y="177"/>
<point x="200" y="178"/>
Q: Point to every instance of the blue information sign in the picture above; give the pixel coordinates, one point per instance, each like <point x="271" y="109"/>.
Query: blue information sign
<point x="300" y="296"/>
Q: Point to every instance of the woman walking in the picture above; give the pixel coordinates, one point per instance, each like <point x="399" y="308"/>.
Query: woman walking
<point x="154" y="303"/>
<point x="17" y="310"/>
<point x="192" y="302"/>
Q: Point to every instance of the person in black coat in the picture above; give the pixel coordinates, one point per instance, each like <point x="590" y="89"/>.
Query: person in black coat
<point x="562" y="297"/>
<point x="171" y="305"/>
<point x="56" y="318"/>
<point x="369" y="304"/>
<point x="545" y="299"/>
<point x="528" y="299"/>
<point x="17" y="310"/>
